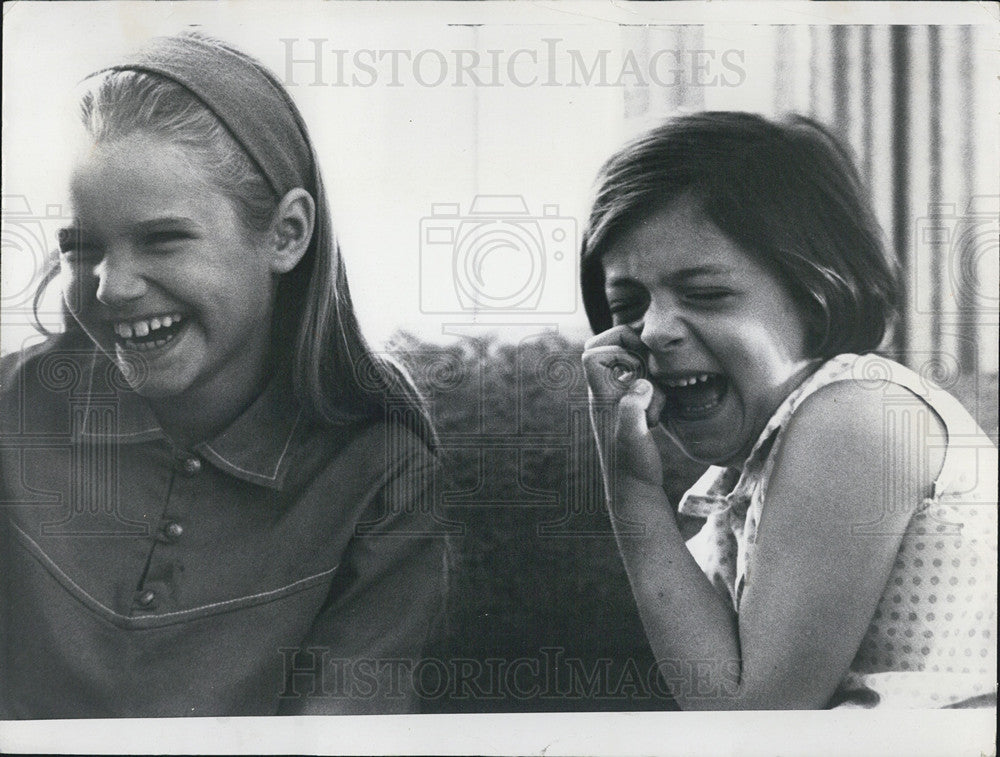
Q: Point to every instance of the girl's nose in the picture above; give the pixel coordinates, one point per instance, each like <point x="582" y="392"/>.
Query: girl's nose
<point x="662" y="329"/>
<point x="118" y="281"/>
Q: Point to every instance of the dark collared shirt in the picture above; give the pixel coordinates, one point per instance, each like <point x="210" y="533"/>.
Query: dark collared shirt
<point x="281" y="567"/>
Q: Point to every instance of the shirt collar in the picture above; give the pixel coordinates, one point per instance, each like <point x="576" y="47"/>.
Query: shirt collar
<point x="256" y="447"/>
<point x="720" y="489"/>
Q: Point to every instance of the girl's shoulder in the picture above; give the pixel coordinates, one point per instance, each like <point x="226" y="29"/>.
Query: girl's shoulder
<point x="881" y="413"/>
<point x="846" y="432"/>
<point x="834" y="425"/>
<point x="860" y="418"/>
<point x="833" y="401"/>
<point x="373" y="450"/>
<point x="66" y="353"/>
<point x="72" y="343"/>
<point x="874" y="391"/>
<point x="865" y="399"/>
<point x="873" y="378"/>
<point x="397" y="439"/>
<point x="37" y="382"/>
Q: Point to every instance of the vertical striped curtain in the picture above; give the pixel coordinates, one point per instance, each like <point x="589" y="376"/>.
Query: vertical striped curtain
<point x="918" y="108"/>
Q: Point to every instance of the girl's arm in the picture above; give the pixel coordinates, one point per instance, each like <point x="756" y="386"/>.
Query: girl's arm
<point x="384" y="606"/>
<point x="819" y="568"/>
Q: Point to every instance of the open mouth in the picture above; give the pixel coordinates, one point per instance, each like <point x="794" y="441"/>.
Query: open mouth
<point x="146" y="334"/>
<point x="694" y="396"/>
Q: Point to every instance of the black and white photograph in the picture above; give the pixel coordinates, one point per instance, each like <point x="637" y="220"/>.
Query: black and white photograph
<point x="568" y="377"/>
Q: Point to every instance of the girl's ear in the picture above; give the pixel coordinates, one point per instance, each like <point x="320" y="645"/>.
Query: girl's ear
<point x="291" y="229"/>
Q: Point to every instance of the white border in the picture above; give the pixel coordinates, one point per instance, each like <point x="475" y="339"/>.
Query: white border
<point x="915" y="734"/>
<point x="772" y="733"/>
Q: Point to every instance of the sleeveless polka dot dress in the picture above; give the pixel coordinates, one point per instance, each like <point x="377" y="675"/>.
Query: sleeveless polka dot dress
<point x="932" y="639"/>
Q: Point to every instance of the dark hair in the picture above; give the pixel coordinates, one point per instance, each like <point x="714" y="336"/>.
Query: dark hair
<point x="316" y="339"/>
<point x="787" y="193"/>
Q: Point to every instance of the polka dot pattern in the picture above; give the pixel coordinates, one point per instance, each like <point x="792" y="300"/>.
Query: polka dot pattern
<point x="952" y="655"/>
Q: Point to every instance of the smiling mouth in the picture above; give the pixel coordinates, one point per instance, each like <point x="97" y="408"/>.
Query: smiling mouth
<point x="145" y="334"/>
<point x="692" y="397"/>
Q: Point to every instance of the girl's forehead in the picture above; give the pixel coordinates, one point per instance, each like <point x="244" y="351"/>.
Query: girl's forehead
<point x="678" y="236"/>
<point x="138" y="154"/>
<point x="139" y="170"/>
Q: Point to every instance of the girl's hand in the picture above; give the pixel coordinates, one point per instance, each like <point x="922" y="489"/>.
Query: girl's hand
<point x="625" y="404"/>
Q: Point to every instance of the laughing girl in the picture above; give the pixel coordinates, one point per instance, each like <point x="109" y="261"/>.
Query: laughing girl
<point x="214" y="493"/>
<point x="733" y="274"/>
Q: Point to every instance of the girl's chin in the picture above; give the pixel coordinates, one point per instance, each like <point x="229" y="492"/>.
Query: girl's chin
<point x="721" y="447"/>
<point x="707" y="456"/>
<point x="154" y="387"/>
<point x="147" y="379"/>
<point x="147" y="365"/>
<point x="725" y="451"/>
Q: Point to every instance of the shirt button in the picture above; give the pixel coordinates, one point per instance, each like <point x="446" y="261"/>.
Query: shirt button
<point x="147" y="598"/>
<point x="173" y="530"/>
<point x="191" y="466"/>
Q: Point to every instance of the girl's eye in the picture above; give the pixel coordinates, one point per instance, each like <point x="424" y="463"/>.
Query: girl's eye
<point x="626" y="311"/>
<point x="74" y="248"/>
<point x="708" y="296"/>
<point x="162" y="238"/>
<point x="81" y="254"/>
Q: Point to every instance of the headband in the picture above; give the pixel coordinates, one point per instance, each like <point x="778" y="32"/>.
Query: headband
<point x="249" y="101"/>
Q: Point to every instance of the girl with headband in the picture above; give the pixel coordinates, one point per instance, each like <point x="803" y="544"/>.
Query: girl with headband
<point x="215" y="496"/>
<point x="733" y="275"/>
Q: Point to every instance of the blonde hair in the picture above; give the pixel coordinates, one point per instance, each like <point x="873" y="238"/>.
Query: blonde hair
<point x="316" y="343"/>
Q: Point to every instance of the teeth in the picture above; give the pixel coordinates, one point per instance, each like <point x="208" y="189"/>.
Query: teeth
<point x="687" y="381"/>
<point x="143" y="327"/>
